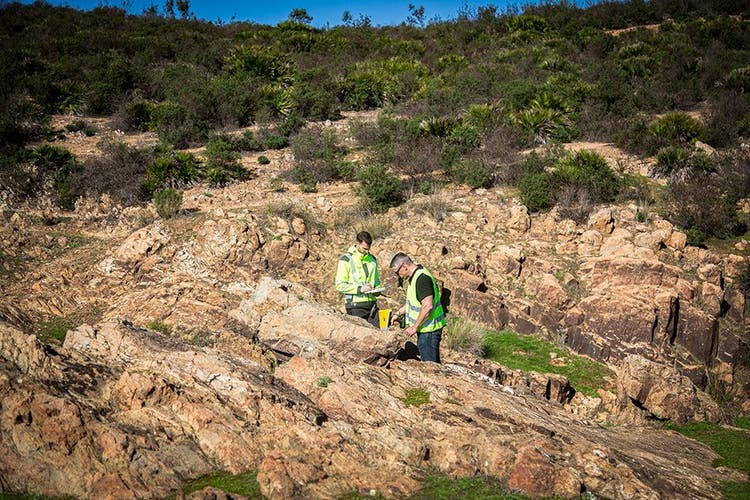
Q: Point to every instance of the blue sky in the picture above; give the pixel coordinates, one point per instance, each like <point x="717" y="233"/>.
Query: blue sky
<point x="323" y="12"/>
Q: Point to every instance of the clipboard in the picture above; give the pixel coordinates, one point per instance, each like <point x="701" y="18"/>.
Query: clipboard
<point x="376" y="290"/>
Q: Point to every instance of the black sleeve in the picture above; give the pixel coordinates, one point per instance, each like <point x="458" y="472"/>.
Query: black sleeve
<point x="424" y="287"/>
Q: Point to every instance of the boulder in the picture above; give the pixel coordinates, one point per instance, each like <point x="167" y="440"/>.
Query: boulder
<point x="664" y="393"/>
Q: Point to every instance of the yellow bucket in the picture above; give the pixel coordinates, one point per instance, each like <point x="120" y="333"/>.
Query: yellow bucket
<point x="384" y="315"/>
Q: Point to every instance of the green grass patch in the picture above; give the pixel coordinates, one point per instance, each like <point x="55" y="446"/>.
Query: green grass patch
<point x="529" y="353"/>
<point x="732" y="444"/>
<point x="735" y="491"/>
<point x="54" y="330"/>
<point x="439" y="487"/>
<point x="416" y="397"/>
<point x="245" y="484"/>
<point x="324" y="381"/>
<point x="742" y="422"/>
<point x="160" y="327"/>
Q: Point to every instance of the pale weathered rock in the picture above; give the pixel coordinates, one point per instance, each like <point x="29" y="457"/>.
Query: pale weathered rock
<point x="602" y="221"/>
<point x="663" y="392"/>
<point x="141" y="244"/>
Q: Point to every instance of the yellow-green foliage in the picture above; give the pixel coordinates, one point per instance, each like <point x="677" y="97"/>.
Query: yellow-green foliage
<point x="416" y="397"/>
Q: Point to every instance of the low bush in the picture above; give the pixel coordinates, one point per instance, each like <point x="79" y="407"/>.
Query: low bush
<point x="222" y="162"/>
<point x="168" y="202"/>
<point x="586" y="170"/>
<point x="680" y="162"/>
<point x="535" y="192"/>
<point x="379" y="188"/>
<point x="462" y="335"/>
<point x="675" y="127"/>
<point x="473" y="173"/>
<point x="173" y="169"/>
<point x="120" y="172"/>
<point x="54" y="166"/>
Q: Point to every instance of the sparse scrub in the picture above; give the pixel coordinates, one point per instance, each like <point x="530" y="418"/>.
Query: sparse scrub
<point x="463" y="335"/>
<point x="168" y="202"/>
<point x="42" y="171"/>
<point x="160" y="327"/>
<point x="222" y="162"/>
<point x="119" y="172"/>
<point x="81" y="126"/>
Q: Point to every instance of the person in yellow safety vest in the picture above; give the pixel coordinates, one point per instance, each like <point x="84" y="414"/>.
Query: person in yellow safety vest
<point x="423" y="312"/>
<point x="357" y="276"/>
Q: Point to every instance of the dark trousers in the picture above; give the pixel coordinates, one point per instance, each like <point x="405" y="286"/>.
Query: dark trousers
<point x="429" y="345"/>
<point x="368" y="311"/>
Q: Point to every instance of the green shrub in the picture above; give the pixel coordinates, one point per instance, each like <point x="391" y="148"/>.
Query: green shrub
<point x="306" y="177"/>
<point x="136" y="115"/>
<point x="168" y="202"/>
<point x="588" y="170"/>
<point x="379" y="188"/>
<point x="535" y="192"/>
<point x="681" y="162"/>
<point x="172" y="170"/>
<point x="160" y="327"/>
<point x="473" y="173"/>
<point x="739" y="79"/>
<point x="222" y="162"/>
<point x="263" y="160"/>
<point x="317" y="144"/>
<point x="274" y="141"/>
<point x="178" y="125"/>
<point x="58" y="166"/>
<point x="675" y="127"/>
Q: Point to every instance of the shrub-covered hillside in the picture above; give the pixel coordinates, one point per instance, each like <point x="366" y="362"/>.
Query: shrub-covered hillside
<point x="464" y="98"/>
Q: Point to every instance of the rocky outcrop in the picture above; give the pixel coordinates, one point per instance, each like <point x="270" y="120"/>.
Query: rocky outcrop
<point x="126" y="412"/>
<point x="663" y="393"/>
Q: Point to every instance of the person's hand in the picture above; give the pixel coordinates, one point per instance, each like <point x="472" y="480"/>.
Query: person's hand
<point x="410" y="331"/>
<point x="366" y="287"/>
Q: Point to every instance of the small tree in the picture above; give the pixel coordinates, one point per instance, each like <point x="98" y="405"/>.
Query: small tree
<point x="300" y="16"/>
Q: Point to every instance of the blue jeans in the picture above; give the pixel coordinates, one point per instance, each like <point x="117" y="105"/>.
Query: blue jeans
<point x="429" y="345"/>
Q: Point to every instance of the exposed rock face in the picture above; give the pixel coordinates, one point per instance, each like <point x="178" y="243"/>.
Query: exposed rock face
<point x="122" y="412"/>
<point x="662" y="392"/>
